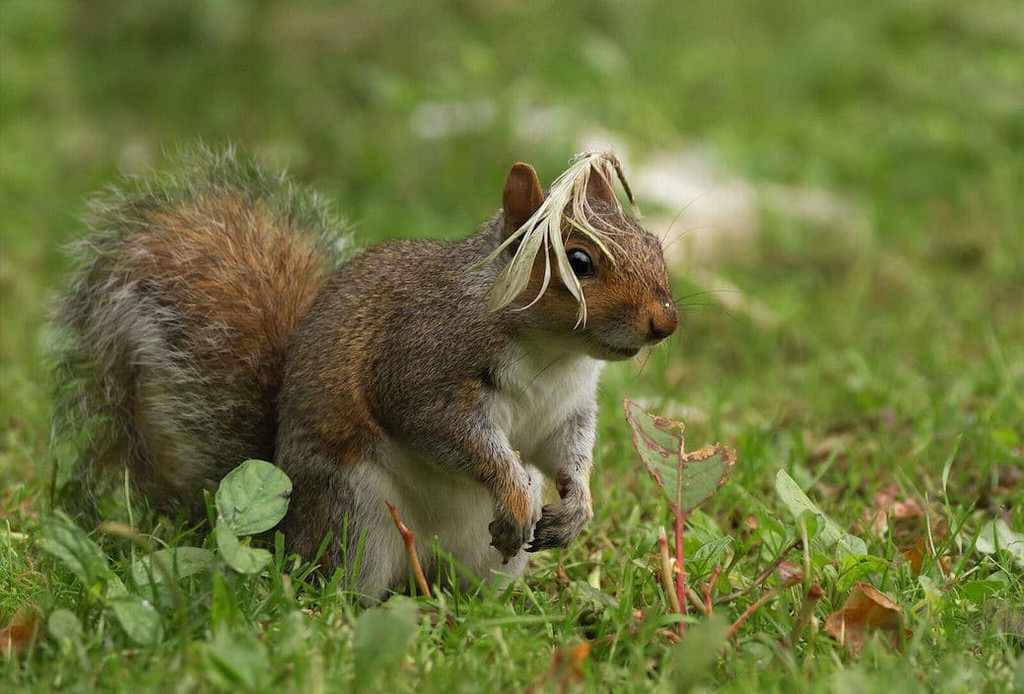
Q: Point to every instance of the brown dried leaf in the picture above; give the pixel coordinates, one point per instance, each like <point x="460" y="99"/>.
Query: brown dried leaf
<point x="889" y="506"/>
<point x="790" y="574"/>
<point x="20" y="632"/>
<point x="566" y="669"/>
<point x="916" y="554"/>
<point x="865" y="611"/>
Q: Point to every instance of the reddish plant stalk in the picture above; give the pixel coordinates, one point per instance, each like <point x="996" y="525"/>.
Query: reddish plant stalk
<point x="410" y="549"/>
<point x="680" y="568"/>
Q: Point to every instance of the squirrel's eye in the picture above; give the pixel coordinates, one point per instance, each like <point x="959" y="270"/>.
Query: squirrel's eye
<point x="581" y="264"/>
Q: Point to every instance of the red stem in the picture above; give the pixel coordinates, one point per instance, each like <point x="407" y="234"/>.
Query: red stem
<point x="680" y="568"/>
<point x="751" y="610"/>
<point x="710" y="587"/>
<point x="410" y="549"/>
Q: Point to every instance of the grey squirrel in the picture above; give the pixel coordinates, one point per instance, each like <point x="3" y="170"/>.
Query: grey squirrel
<point x="211" y="321"/>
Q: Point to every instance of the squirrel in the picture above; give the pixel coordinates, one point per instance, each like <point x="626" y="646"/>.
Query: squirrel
<point x="214" y="317"/>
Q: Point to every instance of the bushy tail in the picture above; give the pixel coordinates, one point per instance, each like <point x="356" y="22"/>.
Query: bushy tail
<point x="173" y="334"/>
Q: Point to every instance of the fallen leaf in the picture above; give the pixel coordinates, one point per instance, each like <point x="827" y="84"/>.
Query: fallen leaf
<point x="916" y="554"/>
<point x="790" y="574"/>
<point x="20" y="632"/>
<point x="566" y="669"/>
<point x="889" y="506"/>
<point x="865" y="611"/>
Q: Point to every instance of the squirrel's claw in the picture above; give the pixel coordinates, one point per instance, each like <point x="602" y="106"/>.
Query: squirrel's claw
<point x="509" y="536"/>
<point x="559" y="525"/>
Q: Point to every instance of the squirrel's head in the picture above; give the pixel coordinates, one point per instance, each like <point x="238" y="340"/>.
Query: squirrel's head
<point x="596" y="276"/>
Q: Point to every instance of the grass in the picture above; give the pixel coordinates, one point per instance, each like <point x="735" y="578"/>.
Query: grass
<point x="890" y="353"/>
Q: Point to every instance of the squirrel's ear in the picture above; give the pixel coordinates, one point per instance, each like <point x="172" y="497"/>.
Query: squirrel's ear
<point x="599" y="187"/>
<point x="522" y="197"/>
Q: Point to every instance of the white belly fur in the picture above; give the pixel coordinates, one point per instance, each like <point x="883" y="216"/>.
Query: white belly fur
<point x="538" y="391"/>
<point x="452" y="508"/>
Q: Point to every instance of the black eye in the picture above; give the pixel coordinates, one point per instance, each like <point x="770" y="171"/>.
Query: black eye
<point x="581" y="264"/>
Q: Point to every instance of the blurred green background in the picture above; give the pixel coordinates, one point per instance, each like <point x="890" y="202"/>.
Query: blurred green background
<point x="840" y="186"/>
<point x="409" y="113"/>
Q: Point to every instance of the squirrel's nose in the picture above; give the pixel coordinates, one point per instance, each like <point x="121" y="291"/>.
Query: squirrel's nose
<point x="664" y="320"/>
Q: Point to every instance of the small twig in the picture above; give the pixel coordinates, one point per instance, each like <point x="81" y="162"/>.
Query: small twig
<point x="710" y="586"/>
<point x="814" y="594"/>
<point x="410" y="549"/>
<point x="772" y="592"/>
<point x="763" y="577"/>
<point x="666" y="572"/>
<point x="691" y="594"/>
<point x="807" y="555"/>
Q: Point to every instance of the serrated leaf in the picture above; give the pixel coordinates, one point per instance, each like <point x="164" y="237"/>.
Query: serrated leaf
<point x="241" y="558"/>
<point x="686" y="479"/>
<point x="381" y="638"/>
<point x="709" y="554"/>
<point x="253" y="497"/>
<point x="797" y="502"/>
<point x="179" y="562"/>
<point x="72" y="547"/>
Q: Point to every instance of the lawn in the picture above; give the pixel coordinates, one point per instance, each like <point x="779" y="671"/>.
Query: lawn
<point x="840" y="187"/>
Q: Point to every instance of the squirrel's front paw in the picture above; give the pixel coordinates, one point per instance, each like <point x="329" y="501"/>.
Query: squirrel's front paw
<point x="508" y="535"/>
<point x="559" y="525"/>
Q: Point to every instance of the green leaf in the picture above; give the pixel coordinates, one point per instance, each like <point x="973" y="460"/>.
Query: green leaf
<point x="660" y="443"/>
<point x="73" y="548"/>
<point x="237" y="659"/>
<point x="979" y="591"/>
<point x="63" y="625"/>
<point x="253" y="497"/>
<point x="854" y="569"/>
<point x="694" y="656"/>
<point x="381" y="638"/>
<point x="797" y="502"/>
<point x="241" y="558"/>
<point x="708" y="555"/>
<point x="997" y="535"/>
<point x="137" y="617"/>
<point x="178" y="562"/>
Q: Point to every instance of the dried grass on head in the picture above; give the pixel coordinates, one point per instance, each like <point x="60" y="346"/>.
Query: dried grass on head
<point x="543" y="232"/>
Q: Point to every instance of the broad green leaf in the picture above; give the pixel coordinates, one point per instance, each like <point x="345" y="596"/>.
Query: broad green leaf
<point x="63" y="625"/>
<point x="979" y="591"/>
<point x="708" y="555"/>
<point x="797" y="502"/>
<point x="177" y="562"/>
<point x="998" y="535"/>
<point x="694" y="656"/>
<point x="73" y="548"/>
<point x="381" y="638"/>
<point x="241" y="558"/>
<point x="253" y="497"/>
<point x="854" y="569"/>
<point x="237" y="660"/>
<point x="139" y="619"/>
<point x="686" y="479"/>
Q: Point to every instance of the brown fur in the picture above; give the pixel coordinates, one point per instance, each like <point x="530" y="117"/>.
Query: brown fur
<point x="176" y="328"/>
